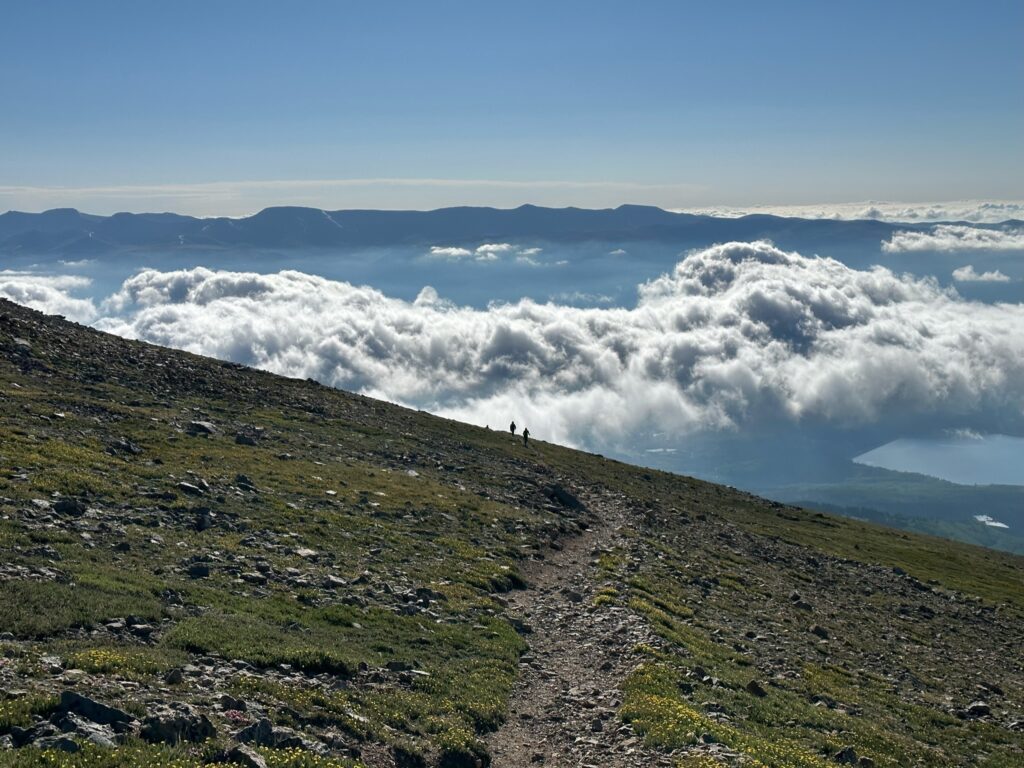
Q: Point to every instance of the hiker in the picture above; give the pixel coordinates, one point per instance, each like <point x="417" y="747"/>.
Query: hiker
<point x="512" y="427"/>
<point x="526" y="435"/>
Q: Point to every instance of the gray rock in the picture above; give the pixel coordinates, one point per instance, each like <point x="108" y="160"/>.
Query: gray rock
<point x="979" y="709"/>
<point x="191" y="490"/>
<point x="175" y="723"/>
<point x="259" y="733"/>
<point x="67" y="506"/>
<point x="755" y="688"/>
<point x="242" y="754"/>
<point x="70" y="701"/>
<point x="847" y="756"/>
<point x="820" y="632"/>
<point x="59" y="743"/>
<point x="198" y="571"/>
<point x="201" y="428"/>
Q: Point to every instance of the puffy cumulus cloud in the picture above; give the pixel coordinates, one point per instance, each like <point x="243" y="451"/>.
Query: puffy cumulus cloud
<point x="955" y="237"/>
<point x="736" y="335"/>
<point x="450" y="252"/>
<point x="486" y="252"/>
<point x="968" y="275"/>
<point x="51" y="294"/>
<point x="975" y="211"/>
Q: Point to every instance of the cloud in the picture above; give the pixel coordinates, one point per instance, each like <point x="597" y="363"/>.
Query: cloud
<point x="737" y="335"/>
<point x="955" y="237"/>
<point x="49" y="293"/>
<point x="618" y="252"/>
<point x="968" y="275"/>
<point x="975" y="211"/>
<point x="450" y="253"/>
<point x="487" y="252"/>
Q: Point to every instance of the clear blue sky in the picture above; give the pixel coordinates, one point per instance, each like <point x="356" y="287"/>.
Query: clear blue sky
<point x="142" y="105"/>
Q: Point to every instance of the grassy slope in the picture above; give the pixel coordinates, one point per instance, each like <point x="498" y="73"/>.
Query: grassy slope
<point x="393" y="501"/>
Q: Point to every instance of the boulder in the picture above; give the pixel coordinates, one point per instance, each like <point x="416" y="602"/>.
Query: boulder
<point x="176" y="723"/>
<point x="67" y="506"/>
<point x="70" y="701"/>
<point x="242" y="754"/>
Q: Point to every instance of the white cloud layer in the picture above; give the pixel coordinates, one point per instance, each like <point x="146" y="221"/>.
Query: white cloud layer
<point x="487" y="252"/>
<point x="50" y="294"/>
<point x="967" y="274"/>
<point x="954" y="238"/>
<point x="975" y="211"/>
<point x="736" y="335"/>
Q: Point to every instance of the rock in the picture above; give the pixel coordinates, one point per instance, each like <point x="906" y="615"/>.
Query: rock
<point x="229" y="702"/>
<point x="67" y="506"/>
<point x="124" y="445"/>
<point x="259" y="733"/>
<point x="978" y="709"/>
<point x="263" y="734"/>
<point x="820" y="632"/>
<point x="58" y="743"/>
<point x="198" y="571"/>
<point x="596" y="725"/>
<point x="175" y="676"/>
<point x="70" y="701"/>
<point x="561" y="496"/>
<point x="243" y="439"/>
<point x="190" y="489"/>
<point x="846" y="756"/>
<point x="176" y="723"/>
<point x="866" y="762"/>
<point x="204" y="519"/>
<point x="755" y="688"/>
<point x="197" y="428"/>
<point x="252" y="577"/>
<point x="242" y="754"/>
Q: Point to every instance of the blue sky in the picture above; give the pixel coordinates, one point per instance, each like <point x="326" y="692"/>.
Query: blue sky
<point x="224" y="107"/>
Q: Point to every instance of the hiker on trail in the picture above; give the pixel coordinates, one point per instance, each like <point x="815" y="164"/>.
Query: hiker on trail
<point x="512" y="427"/>
<point x="526" y="435"/>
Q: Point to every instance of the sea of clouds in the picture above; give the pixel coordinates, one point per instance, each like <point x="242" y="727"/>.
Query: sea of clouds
<point x="975" y="211"/>
<point x="735" y="335"/>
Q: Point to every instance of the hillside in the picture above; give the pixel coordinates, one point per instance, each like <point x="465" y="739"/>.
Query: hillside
<point x="205" y="563"/>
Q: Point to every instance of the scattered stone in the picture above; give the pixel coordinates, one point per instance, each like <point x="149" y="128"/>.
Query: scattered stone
<point x="197" y="428"/>
<point x="847" y="756"/>
<point x="820" y="632"/>
<point x="68" y="506"/>
<point x="978" y="709"/>
<point x="190" y="489"/>
<point x="176" y="723"/>
<point x="755" y="688"/>
<point x="198" y="571"/>
<point x="71" y="701"/>
<point x="242" y="754"/>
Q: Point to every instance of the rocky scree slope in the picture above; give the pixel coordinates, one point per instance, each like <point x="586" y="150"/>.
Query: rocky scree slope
<point x="203" y="563"/>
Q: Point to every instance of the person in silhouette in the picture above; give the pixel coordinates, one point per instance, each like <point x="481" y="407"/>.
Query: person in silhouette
<point x="512" y="427"/>
<point x="526" y="435"/>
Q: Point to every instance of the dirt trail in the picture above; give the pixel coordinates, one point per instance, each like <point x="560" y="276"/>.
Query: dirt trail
<point x="562" y="712"/>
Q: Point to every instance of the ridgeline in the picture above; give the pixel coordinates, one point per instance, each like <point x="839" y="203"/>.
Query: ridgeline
<point x="205" y="563"/>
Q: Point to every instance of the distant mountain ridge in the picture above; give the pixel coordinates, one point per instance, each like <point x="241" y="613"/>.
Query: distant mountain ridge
<point x="68" y="231"/>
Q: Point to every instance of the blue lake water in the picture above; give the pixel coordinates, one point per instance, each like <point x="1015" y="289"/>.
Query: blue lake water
<point x="979" y="460"/>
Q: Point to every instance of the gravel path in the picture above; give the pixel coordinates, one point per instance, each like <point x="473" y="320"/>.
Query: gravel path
<point x="562" y="712"/>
